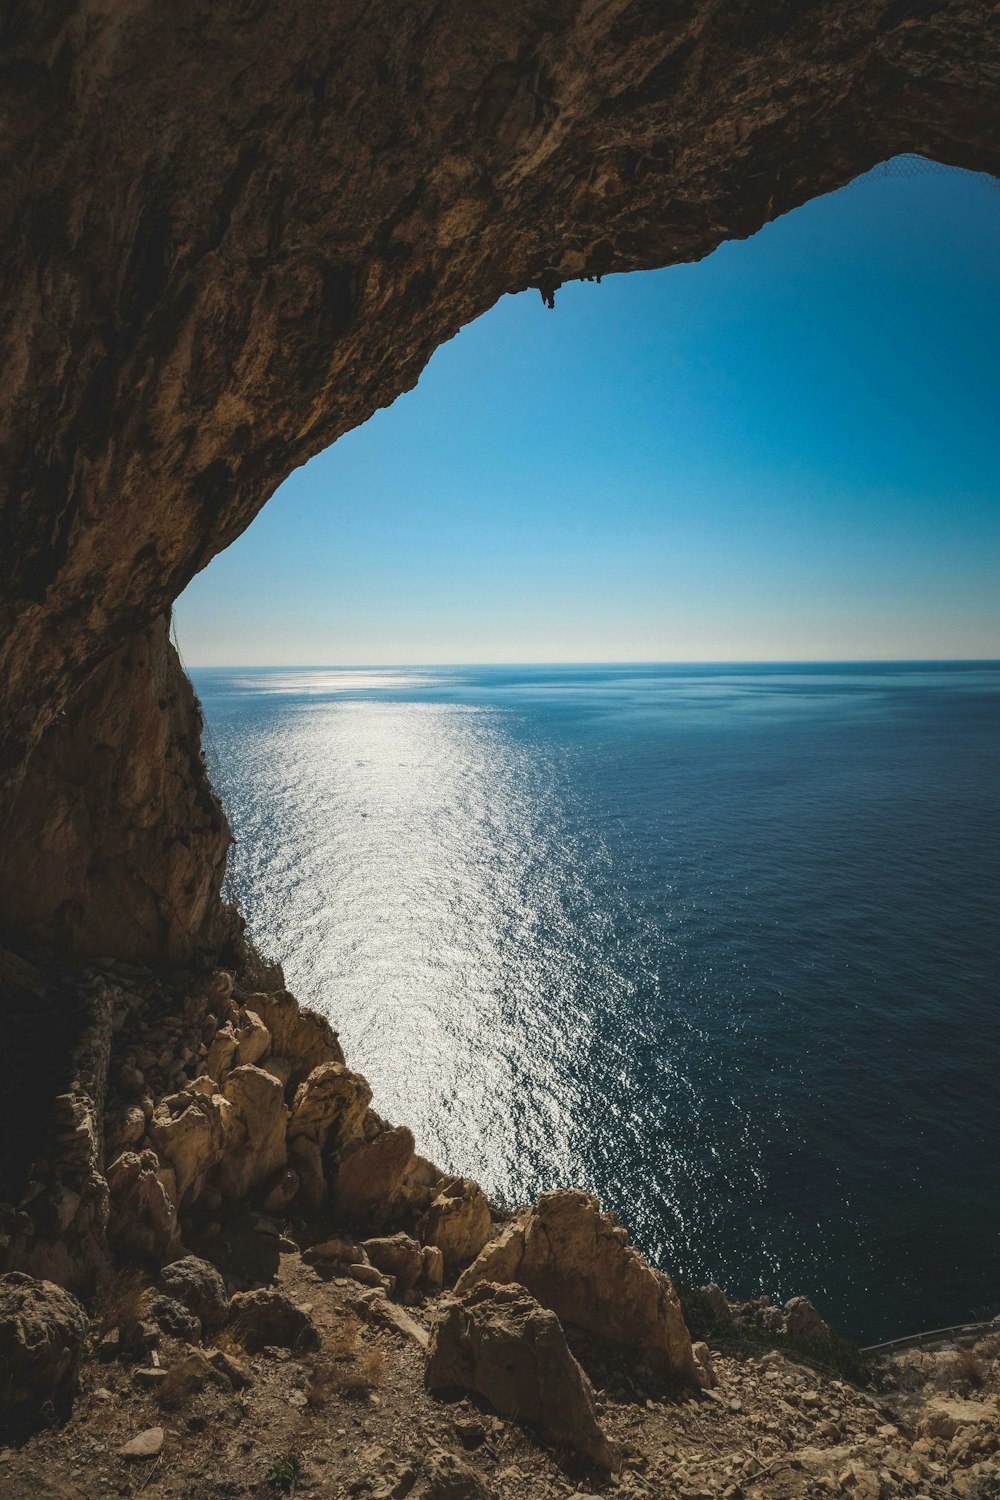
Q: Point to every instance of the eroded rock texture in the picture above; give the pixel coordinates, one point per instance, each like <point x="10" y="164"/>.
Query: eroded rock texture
<point x="118" y="844"/>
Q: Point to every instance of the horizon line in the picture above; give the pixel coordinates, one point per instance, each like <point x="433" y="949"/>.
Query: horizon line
<point x="750" y="661"/>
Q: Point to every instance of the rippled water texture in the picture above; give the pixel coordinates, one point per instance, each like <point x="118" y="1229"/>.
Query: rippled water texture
<point x="720" y="943"/>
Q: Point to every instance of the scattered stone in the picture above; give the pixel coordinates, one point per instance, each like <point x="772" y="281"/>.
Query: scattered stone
<point x="146" y="1445"/>
<point x="498" y="1342"/>
<point x="944" y="1416"/>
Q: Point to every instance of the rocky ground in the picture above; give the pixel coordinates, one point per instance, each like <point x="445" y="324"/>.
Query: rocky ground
<point x="271" y="1293"/>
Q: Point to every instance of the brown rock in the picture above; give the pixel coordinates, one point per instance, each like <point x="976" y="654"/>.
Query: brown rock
<point x="143" y="1217"/>
<point x="198" y="1286"/>
<point x="255" y="1132"/>
<point x="299" y="1034"/>
<point x="498" y="1342"/>
<point x="42" y="1330"/>
<point x="146" y="1445"/>
<point x="189" y="1131"/>
<point x="399" y="1256"/>
<point x="704" y="1370"/>
<point x="944" y="1416"/>
<point x="369" y="1175"/>
<point x="458" y="1222"/>
<point x="254" y="1039"/>
<point x="221" y="1052"/>
<point x="269" y="1317"/>
<point x="329" y="1105"/>
<point x="577" y="1261"/>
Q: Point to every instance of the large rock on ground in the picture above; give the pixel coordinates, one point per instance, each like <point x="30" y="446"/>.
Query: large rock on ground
<point x="399" y="1256"/>
<point x="330" y="1103"/>
<point x="270" y="1317"/>
<point x="458" y="1222"/>
<point x="577" y="1260"/>
<point x="199" y="1287"/>
<point x="42" y="1329"/>
<point x="498" y="1342"/>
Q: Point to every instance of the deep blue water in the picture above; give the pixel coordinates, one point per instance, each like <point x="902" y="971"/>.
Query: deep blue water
<point x="718" y="942"/>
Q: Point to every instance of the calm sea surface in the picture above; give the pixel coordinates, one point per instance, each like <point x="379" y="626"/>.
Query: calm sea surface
<point x="719" y="943"/>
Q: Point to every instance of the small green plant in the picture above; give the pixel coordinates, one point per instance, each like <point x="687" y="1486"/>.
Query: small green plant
<point x="284" y="1474"/>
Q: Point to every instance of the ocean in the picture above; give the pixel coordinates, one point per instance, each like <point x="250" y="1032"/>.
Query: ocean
<point x="720" y="943"/>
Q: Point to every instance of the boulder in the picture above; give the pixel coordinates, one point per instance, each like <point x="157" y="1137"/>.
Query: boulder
<point x="329" y="1104"/>
<point x="221" y="1051"/>
<point x="270" y="1317"/>
<point x="174" y="1319"/>
<point x="458" y="1222"/>
<point x="42" y="1330"/>
<point x="432" y="1273"/>
<point x="498" y="1342"/>
<point x="944" y="1416"/>
<point x="305" y="1038"/>
<point x="704" y="1370"/>
<point x="255" y="1139"/>
<point x="143" y="1209"/>
<point x="254" y="1039"/>
<point x="803" y="1321"/>
<point x="188" y="1130"/>
<point x="369" y="1174"/>
<point x="197" y="1284"/>
<point x="399" y="1256"/>
<point x="577" y="1261"/>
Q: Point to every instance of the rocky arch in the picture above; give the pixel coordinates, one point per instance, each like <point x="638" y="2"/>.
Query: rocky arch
<point x="233" y="230"/>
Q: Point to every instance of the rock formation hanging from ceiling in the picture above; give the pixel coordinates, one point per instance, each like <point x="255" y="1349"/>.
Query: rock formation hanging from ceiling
<point x="231" y="231"/>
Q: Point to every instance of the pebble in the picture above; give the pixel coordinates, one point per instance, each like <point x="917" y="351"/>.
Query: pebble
<point x="146" y="1445"/>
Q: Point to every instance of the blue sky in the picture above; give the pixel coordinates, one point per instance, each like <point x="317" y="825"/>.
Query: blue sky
<point x="788" y="451"/>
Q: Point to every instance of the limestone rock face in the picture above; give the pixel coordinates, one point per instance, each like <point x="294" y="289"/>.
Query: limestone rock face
<point x="577" y="1260"/>
<point x="255" y="1125"/>
<point x="297" y="1033"/>
<point x="370" y="1174"/>
<point x="458" y="1222"/>
<point x="119" y="843"/>
<point x="228" y="242"/>
<point x="189" y="1131"/>
<point x="143" y="1220"/>
<point x="42" y="1329"/>
<point x="498" y="1342"/>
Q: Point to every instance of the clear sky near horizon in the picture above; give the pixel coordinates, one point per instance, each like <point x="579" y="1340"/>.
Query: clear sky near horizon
<point x="789" y="451"/>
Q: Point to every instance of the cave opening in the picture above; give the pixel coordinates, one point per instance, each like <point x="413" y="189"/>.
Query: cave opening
<point x="374" y="751"/>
